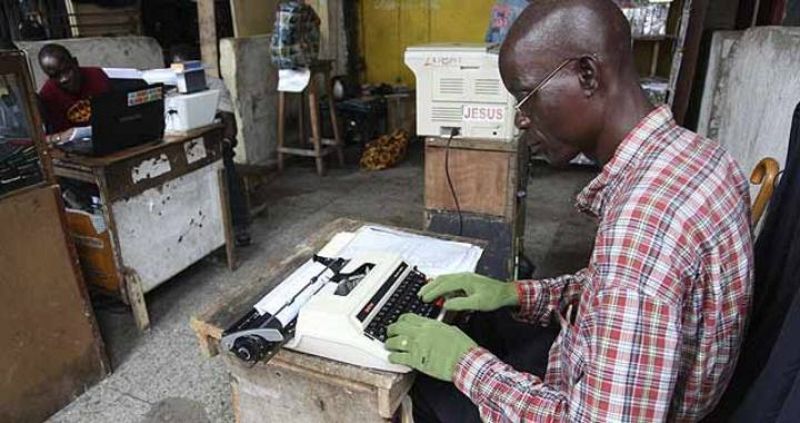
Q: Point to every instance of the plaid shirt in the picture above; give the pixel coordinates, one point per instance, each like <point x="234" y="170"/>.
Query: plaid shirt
<point x="659" y="313"/>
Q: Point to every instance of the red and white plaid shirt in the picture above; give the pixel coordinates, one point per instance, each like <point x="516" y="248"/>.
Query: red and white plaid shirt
<point x="662" y="305"/>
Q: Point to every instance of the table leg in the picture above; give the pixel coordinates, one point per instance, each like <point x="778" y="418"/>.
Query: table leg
<point x="281" y="126"/>
<point x="133" y="288"/>
<point x="230" y="243"/>
<point x="315" y="127"/>
<point x="334" y="119"/>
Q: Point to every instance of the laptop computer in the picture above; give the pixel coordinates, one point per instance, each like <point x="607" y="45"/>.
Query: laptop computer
<point x="126" y="118"/>
<point x="123" y="118"/>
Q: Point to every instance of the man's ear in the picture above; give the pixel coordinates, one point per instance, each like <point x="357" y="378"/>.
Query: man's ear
<point x="587" y="75"/>
<point x="75" y="61"/>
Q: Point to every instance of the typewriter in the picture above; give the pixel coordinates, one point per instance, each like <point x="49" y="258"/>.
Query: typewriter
<point x="346" y="318"/>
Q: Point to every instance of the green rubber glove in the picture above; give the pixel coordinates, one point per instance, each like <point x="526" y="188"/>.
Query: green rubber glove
<point x="482" y="293"/>
<point x="428" y="345"/>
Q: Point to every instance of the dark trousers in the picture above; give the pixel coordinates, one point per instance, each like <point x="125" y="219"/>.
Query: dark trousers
<point x="240" y="216"/>
<point x="523" y="346"/>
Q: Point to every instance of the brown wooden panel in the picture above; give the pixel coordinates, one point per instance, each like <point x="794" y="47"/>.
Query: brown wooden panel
<point x="52" y="350"/>
<point x="480" y="180"/>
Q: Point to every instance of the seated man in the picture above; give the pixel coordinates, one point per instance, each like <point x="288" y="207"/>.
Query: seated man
<point x="66" y="96"/>
<point x="651" y="328"/>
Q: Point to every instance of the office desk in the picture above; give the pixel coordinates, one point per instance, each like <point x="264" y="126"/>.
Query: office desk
<point x="297" y="387"/>
<point x="164" y="207"/>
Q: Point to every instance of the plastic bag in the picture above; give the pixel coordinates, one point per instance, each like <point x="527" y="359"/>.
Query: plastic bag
<point x="296" y="36"/>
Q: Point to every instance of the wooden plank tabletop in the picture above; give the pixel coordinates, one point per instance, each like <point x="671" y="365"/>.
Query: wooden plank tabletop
<point x="89" y="161"/>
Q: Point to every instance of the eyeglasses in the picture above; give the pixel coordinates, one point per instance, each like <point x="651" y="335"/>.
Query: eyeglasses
<point x="544" y="81"/>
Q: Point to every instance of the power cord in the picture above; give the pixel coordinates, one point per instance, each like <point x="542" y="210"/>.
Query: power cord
<point x="453" y="133"/>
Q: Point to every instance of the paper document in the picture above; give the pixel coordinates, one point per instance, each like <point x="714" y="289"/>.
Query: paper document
<point x="81" y="132"/>
<point x="160" y="76"/>
<point x="293" y="80"/>
<point x="123" y="73"/>
<point x="432" y="256"/>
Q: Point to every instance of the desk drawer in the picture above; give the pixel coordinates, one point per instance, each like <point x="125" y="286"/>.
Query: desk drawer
<point x="134" y="175"/>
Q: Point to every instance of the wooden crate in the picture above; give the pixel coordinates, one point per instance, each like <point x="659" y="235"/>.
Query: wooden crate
<point x="490" y="181"/>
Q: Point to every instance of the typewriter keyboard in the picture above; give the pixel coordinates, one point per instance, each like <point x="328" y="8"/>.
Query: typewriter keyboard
<point x="403" y="300"/>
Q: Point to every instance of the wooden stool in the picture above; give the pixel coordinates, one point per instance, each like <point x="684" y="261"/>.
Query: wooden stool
<point x="321" y="146"/>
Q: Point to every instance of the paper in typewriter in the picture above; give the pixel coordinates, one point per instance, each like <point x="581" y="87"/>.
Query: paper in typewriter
<point x="431" y="255"/>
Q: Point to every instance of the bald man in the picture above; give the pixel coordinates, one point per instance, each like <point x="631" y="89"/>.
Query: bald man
<point x="650" y="330"/>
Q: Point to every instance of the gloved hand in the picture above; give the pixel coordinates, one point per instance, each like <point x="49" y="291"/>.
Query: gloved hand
<point x="427" y="345"/>
<point x="483" y="294"/>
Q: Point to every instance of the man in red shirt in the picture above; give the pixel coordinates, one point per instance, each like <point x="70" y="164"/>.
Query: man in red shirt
<point x="66" y="96"/>
<point x="651" y="328"/>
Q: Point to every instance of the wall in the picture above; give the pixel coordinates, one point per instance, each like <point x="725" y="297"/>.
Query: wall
<point x="389" y="26"/>
<point x="252" y="81"/>
<point x="752" y="89"/>
<point x="118" y="52"/>
<point x="257" y="17"/>
<point x="253" y="17"/>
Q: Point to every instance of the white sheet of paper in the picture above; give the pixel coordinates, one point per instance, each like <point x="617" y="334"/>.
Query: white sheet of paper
<point x="293" y="80"/>
<point x="432" y="256"/>
<point x="165" y="76"/>
<point x="123" y="73"/>
<point x="81" y="132"/>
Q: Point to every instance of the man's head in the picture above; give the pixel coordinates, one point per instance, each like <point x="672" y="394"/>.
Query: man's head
<point x="576" y="57"/>
<point x="183" y="53"/>
<point x="58" y="64"/>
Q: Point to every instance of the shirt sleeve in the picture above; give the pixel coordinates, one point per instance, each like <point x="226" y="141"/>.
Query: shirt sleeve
<point x="623" y="364"/>
<point x="538" y="298"/>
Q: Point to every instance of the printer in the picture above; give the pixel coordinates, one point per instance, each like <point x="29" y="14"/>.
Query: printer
<point x="459" y="87"/>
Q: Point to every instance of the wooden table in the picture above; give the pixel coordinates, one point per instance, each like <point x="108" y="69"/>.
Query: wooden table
<point x="165" y="207"/>
<point x="292" y="386"/>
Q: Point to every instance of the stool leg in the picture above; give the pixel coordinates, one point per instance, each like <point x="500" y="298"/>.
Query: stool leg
<point x="281" y="127"/>
<point x="301" y="116"/>
<point x="334" y="120"/>
<point x="316" y="137"/>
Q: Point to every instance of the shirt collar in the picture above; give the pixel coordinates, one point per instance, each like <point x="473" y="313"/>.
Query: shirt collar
<point x="593" y="197"/>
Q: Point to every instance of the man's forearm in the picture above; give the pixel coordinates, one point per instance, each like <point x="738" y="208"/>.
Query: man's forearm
<point x="537" y="298"/>
<point x="504" y="394"/>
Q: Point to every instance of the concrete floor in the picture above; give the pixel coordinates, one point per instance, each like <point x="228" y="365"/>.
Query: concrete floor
<point x="161" y="375"/>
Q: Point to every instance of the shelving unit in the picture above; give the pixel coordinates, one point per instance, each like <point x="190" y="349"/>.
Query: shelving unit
<point x="671" y="58"/>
